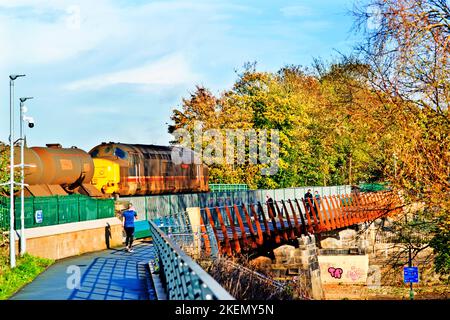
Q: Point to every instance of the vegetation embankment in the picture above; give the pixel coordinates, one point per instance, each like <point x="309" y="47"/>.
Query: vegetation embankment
<point x="26" y="270"/>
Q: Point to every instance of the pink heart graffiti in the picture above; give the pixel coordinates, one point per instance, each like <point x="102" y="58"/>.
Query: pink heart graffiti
<point x="335" y="272"/>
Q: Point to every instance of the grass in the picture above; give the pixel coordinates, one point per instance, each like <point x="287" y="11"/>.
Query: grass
<point x="27" y="268"/>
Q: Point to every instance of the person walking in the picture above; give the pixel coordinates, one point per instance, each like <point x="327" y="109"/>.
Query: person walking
<point x="317" y="203"/>
<point x="308" y="195"/>
<point x="318" y="199"/>
<point x="128" y="217"/>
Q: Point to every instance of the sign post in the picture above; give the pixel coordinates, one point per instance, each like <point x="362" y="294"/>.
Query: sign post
<point x="411" y="275"/>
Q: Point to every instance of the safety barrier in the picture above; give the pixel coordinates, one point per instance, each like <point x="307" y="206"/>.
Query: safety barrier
<point x="218" y="187"/>
<point x="4" y="218"/>
<point x="152" y="207"/>
<point x="184" y="279"/>
<point x="245" y="227"/>
<point x="47" y="211"/>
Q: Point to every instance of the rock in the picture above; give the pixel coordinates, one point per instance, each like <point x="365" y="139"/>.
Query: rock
<point x="330" y="243"/>
<point x="363" y="244"/>
<point x="347" y="235"/>
<point x="284" y="254"/>
<point x="261" y="263"/>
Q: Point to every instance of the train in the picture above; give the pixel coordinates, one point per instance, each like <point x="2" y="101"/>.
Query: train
<point x="111" y="170"/>
<point x="137" y="169"/>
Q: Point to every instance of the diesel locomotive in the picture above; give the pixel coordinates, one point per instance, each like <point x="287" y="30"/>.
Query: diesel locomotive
<point x="110" y="169"/>
<point x="137" y="169"/>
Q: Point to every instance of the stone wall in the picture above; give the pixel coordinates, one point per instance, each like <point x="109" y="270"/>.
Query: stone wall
<point x="299" y="264"/>
<point x="345" y="269"/>
<point x="345" y="260"/>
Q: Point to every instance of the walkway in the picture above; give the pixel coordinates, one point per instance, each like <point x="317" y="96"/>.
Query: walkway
<point x="106" y="275"/>
<point x="237" y="228"/>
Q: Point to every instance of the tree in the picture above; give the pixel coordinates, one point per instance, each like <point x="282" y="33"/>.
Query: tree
<point x="408" y="52"/>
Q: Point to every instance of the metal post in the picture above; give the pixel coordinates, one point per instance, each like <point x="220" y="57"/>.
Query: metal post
<point x="22" y="191"/>
<point x="22" y="178"/>
<point x="411" y="292"/>
<point x="12" y="243"/>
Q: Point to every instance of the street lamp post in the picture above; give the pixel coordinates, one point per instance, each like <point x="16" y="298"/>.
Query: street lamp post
<point x="12" y="243"/>
<point x="23" y="242"/>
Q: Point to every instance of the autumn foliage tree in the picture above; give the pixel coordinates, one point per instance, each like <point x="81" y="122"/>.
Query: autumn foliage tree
<point x="326" y="135"/>
<point x="408" y="49"/>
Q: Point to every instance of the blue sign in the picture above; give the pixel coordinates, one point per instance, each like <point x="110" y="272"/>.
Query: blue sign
<point x="38" y="216"/>
<point x="411" y="274"/>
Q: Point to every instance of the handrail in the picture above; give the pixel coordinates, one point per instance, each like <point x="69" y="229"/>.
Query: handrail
<point x="184" y="278"/>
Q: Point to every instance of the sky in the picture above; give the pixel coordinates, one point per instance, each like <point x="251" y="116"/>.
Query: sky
<point x="113" y="70"/>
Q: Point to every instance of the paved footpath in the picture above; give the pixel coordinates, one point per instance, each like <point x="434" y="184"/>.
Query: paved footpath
<point x="112" y="274"/>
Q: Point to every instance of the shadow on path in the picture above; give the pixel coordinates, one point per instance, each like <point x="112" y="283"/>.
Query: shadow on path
<point x="107" y="275"/>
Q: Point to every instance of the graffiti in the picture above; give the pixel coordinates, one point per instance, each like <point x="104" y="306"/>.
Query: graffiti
<point x="335" y="272"/>
<point x="354" y="273"/>
<point x="374" y="277"/>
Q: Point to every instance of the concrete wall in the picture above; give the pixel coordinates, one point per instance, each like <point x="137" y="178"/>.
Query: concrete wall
<point x="344" y="268"/>
<point x="71" y="239"/>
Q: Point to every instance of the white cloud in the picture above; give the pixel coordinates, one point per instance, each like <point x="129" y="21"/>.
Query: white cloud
<point x="67" y="31"/>
<point x="170" y="70"/>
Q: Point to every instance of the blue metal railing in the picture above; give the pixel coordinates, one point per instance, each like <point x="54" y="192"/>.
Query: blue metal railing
<point x="183" y="277"/>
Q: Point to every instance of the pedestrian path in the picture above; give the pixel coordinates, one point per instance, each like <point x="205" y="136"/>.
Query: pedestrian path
<point x="112" y="274"/>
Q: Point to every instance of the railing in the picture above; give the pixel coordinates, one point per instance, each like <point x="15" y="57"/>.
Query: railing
<point x="243" y="227"/>
<point x="218" y="187"/>
<point x="56" y="210"/>
<point x="4" y="218"/>
<point x="184" y="279"/>
<point x="157" y="206"/>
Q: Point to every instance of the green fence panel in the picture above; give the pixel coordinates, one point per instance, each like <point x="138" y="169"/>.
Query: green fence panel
<point x="88" y="208"/>
<point x="4" y="214"/>
<point x="49" y="208"/>
<point x="372" y="187"/>
<point x="105" y="208"/>
<point x="68" y="209"/>
<point x="217" y="187"/>
<point x="28" y="213"/>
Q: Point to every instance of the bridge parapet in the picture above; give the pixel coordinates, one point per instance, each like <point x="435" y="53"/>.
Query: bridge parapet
<point x="184" y="279"/>
<point x="245" y="227"/>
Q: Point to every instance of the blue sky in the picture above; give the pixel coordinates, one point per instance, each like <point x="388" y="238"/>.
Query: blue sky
<point x="109" y="70"/>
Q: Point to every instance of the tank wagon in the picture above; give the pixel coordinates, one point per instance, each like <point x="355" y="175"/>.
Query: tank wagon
<point x="54" y="170"/>
<point x="137" y="169"/>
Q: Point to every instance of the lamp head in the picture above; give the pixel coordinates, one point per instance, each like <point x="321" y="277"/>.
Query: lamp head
<point x="15" y="76"/>
<point x="25" y="99"/>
